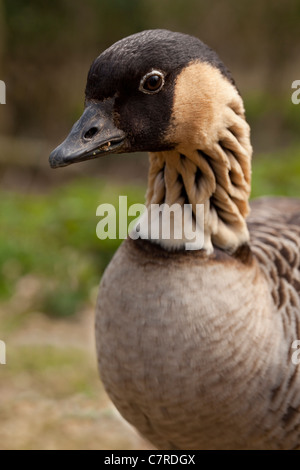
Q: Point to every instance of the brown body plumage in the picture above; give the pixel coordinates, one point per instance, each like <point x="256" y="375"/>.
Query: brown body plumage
<point x="207" y="339"/>
<point x="194" y="347"/>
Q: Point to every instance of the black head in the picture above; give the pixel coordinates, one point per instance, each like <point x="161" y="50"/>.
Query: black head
<point x="130" y="96"/>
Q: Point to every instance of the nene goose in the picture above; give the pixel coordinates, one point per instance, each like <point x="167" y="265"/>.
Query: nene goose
<point x="194" y="347"/>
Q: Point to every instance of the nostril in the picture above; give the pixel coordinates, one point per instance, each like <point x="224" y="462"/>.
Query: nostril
<point x="90" y="133"/>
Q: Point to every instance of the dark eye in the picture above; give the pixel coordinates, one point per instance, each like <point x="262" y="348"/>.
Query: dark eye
<point x="152" y="82"/>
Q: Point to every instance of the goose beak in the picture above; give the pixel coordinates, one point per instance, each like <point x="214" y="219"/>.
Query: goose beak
<point x="94" y="135"/>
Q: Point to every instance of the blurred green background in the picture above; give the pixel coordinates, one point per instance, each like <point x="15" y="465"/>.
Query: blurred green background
<point x="50" y="259"/>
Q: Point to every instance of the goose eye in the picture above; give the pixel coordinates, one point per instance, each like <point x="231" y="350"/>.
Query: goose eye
<point x="152" y="82"/>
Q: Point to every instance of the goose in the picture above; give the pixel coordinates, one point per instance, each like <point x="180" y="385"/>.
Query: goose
<point x="195" y="346"/>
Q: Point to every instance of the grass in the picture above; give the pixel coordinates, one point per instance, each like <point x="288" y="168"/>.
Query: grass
<point x="52" y="237"/>
<point x="277" y="173"/>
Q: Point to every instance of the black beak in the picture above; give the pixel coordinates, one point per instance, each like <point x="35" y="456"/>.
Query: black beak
<point x="92" y="136"/>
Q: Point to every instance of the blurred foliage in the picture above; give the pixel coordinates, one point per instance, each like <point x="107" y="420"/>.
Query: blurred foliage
<point x="277" y="173"/>
<point x="274" y="122"/>
<point x="53" y="237"/>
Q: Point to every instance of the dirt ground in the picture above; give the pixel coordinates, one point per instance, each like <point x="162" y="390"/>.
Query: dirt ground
<point x="51" y="396"/>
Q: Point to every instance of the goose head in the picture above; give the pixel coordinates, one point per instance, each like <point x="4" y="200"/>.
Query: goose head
<point x="169" y="94"/>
